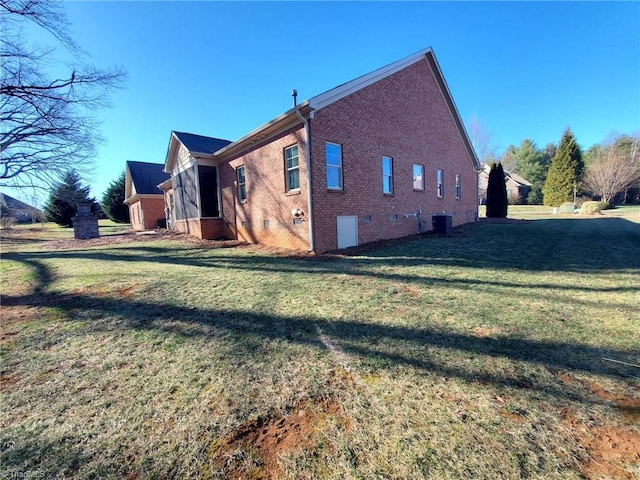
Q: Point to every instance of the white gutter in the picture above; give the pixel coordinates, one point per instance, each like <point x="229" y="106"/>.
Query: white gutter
<point x="307" y="156"/>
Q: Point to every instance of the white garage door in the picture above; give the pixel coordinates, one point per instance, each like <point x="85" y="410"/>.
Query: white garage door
<point x="347" y="231"/>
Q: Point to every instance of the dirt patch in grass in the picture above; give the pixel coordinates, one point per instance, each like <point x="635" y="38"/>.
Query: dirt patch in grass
<point x="612" y="451"/>
<point x="252" y="451"/>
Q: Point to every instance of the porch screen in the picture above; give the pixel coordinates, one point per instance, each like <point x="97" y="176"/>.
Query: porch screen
<point x="185" y="190"/>
<point x="208" y="192"/>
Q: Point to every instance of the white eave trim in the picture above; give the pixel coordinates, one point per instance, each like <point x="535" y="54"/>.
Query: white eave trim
<point x="265" y="131"/>
<point x="337" y="93"/>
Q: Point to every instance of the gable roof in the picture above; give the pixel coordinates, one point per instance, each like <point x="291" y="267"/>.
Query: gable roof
<point x="291" y="117"/>
<point x="199" y="144"/>
<point x="518" y="179"/>
<point x="341" y="91"/>
<point x="146" y="177"/>
<point x="15" y="204"/>
<point x="306" y="108"/>
<point x="486" y="169"/>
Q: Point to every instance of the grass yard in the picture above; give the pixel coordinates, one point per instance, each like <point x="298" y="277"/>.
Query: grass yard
<point x="506" y="350"/>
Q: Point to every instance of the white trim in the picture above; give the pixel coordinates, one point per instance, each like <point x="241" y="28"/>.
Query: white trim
<point x="326" y="166"/>
<point x="337" y="93"/>
<point x="265" y="132"/>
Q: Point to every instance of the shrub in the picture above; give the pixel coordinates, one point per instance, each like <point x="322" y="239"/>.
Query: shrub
<point x="567" y="207"/>
<point x="7" y="222"/>
<point x="605" y="205"/>
<point x="590" y="208"/>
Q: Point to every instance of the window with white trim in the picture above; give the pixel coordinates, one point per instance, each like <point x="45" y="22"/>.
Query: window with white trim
<point x="292" y="166"/>
<point x="418" y="177"/>
<point x="440" y="183"/>
<point x="387" y="175"/>
<point x="334" y="166"/>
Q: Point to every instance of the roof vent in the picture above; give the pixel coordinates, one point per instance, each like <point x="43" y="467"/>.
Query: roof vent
<point x="294" y="94"/>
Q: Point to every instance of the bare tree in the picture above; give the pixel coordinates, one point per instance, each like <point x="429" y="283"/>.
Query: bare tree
<point x="482" y="140"/>
<point x="47" y="124"/>
<point x="615" y="168"/>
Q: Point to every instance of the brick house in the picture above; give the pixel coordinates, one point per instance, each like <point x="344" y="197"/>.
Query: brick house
<point x="517" y="187"/>
<point x="371" y="159"/>
<point x="142" y="194"/>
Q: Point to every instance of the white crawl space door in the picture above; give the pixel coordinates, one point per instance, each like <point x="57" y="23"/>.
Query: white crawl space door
<point x="347" y="231"/>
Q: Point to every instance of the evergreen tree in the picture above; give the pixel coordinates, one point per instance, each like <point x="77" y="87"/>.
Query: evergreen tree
<point x="532" y="164"/>
<point x="113" y="201"/>
<point x="64" y="198"/>
<point x="497" y="203"/>
<point x="565" y="172"/>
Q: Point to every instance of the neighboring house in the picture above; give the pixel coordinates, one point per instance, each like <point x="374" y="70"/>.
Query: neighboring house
<point x="20" y="211"/>
<point x="141" y="193"/>
<point x="517" y="187"/>
<point x="371" y="159"/>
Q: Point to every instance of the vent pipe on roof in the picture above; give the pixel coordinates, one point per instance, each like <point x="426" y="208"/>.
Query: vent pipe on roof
<point x="294" y="94"/>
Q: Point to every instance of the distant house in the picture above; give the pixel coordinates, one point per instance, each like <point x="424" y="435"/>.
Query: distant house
<point x="18" y="210"/>
<point x="517" y="187"/>
<point x="371" y="159"/>
<point x="145" y="199"/>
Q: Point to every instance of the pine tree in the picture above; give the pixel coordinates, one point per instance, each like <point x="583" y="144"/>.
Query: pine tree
<point x="62" y="204"/>
<point x="113" y="201"/>
<point x="497" y="203"/>
<point x="565" y="172"/>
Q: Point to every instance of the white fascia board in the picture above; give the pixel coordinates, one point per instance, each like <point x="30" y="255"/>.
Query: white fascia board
<point x="169" y="159"/>
<point x="457" y="118"/>
<point x="335" y="94"/>
<point x="264" y="131"/>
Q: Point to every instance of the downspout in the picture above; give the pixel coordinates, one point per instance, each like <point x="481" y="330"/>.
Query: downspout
<point x="307" y="156"/>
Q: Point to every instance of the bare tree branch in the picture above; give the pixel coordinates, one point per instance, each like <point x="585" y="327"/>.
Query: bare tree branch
<point x="48" y="125"/>
<point x="616" y="168"/>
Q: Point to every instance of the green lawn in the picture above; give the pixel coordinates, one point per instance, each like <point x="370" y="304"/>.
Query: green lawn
<point x="506" y="350"/>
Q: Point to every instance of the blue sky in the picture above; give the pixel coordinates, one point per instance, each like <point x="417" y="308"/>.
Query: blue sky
<point x="525" y="70"/>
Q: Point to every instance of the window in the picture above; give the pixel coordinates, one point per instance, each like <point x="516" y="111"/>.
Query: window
<point x="242" y="184"/>
<point x="334" y="166"/>
<point x="418" y="177"/>
<point x="387" y="175"/>
<point x="292" y="167"/>
<point x="457" y="186"/>
<point x="440" y="177"/>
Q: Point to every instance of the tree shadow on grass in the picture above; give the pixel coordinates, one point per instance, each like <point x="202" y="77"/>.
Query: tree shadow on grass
<point x="385" y="345"/>
<point x="427" y="349"/>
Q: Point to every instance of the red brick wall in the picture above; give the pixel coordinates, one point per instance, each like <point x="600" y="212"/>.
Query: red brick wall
<point x="403" y="116"/>
<point x="153" y="210"/>
<point x="146" y="212"/>
<point x="267" y="199"/>
<point x="203" y="228"/>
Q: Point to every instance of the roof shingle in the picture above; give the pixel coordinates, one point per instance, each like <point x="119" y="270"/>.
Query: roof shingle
<point x="200" y="143"/>
<point x="146" y="177"/>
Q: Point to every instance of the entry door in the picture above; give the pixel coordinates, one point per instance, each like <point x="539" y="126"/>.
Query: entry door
<point x="347" y="231"/>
